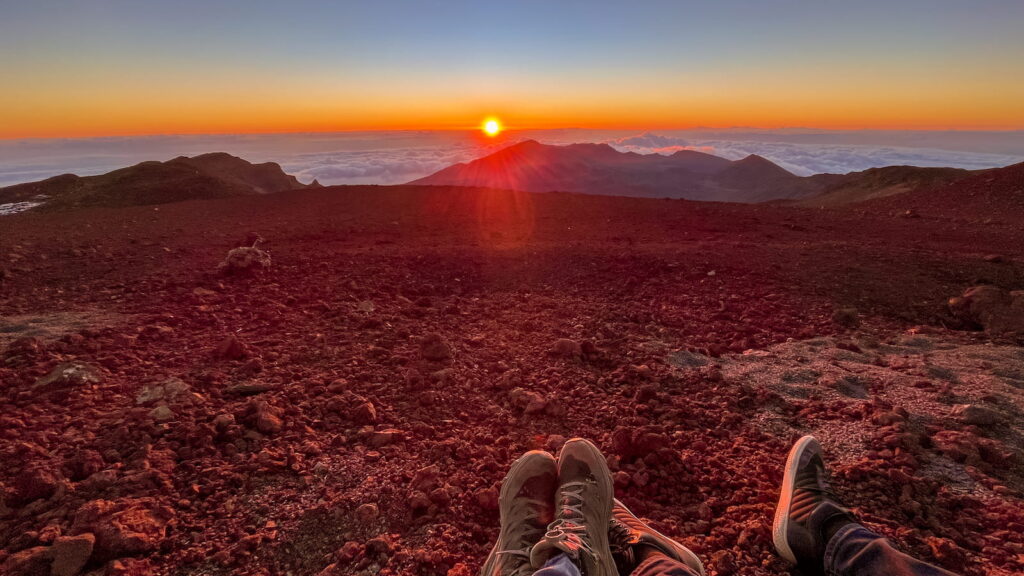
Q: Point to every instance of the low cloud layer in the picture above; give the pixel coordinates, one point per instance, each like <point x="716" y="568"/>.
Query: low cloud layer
<point x="807" y="159"/>
<point x="395" y="157"/>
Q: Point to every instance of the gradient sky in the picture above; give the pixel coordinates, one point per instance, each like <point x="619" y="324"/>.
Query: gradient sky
<point x="105" y="67"/>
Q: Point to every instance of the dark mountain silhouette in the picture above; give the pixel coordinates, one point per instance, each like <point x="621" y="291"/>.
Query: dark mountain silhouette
<point x="600" y="169"/>
<point x="994" y="195"/>
<point x="838" y="190"/>
<point x="214" y="175"/>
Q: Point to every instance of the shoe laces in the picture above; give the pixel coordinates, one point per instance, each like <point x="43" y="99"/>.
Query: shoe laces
<point x="525" y="532"/>
<point x="621" y="539"/>
<point x="569" y="526"/>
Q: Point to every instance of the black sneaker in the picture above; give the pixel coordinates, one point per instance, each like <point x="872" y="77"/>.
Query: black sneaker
<point x="809" y="512"/>
<point x="526" y="507"/>
<point x="582" y="513"/>
<point x="628" y="534"/>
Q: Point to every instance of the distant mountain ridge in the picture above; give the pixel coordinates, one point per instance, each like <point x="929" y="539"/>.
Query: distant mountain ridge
<point x="600" y="169"/>
<point x="213" y="175"/>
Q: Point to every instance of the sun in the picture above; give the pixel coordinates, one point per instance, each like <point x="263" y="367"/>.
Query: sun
<point x="492" y="127"/>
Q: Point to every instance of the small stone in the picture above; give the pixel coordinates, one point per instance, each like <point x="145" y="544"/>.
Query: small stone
<point x="67" y="375"/>
<point x="161" y="414"/>
<point x="435" y="348"/>
<point x="364" y="413"/>
<point x="383" y="438"/>
<point x="231" y="348"/>
<point x="267" y="420"/>
<point x="367" y="512"/>
<point x="566" y="348"/>
<point x="245" y="261"/>
<point x="71" y="553"/>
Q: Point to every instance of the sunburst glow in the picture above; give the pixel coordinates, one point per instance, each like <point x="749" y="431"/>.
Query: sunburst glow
<point x="492" y="127"/>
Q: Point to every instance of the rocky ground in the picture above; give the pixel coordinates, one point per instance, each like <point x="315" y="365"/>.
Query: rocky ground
<point x="352" y="407"/>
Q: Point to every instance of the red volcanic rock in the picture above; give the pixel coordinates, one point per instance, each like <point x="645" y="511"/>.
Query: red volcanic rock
<point x="31" y="562"/>
<point x="71" y="553"/>
<point x="245" y="261"/>
<point x="566" y="348"/>
<point x="231" y="348"/>
<point x="33" y="483"/>
<point x="994" y="309"/>
<point x="976" y="415"/>
<point x="948" y="553"/>
<point x="84" y="463"/>
<point x="381" y="438"/>
<point x="527" y="401"/>
<point x="67" y="375"/>
<point x="367" y="512"/>
<point x="123" y="528"/>
<point x="435" y="348"/>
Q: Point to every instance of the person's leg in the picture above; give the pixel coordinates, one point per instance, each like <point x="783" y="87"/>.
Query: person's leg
<point x="640" y="549"/>
<point x="815" y="531"/>
<point x="658" y="564"/>
<point x="857" y="551"/>
<point x="559" y="565"/>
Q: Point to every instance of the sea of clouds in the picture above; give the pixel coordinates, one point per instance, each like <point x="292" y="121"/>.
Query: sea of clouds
<point x="394" y="157"/>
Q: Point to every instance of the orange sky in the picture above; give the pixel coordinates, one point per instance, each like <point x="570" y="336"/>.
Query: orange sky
<point x="113" y="68"/>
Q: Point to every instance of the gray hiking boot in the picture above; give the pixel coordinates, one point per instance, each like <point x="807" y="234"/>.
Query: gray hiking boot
<point x="526" y="506"/>
<point x="809" y="513"/>
<point x="628" y="534"/>
<point x="582" y="513"/>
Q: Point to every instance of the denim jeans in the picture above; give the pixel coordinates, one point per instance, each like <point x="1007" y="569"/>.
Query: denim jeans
<point x="853" y="551"/>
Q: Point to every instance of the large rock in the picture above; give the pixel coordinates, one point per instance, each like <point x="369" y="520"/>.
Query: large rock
<point x="31" y="562"/>
<point x="126" y="527"/>
<point x="71" y="553"/>
<point x="67" y="375"/>
<point x="246" y="260"/>
<point x="997" y="311"/>
<point x="32" y="484"/>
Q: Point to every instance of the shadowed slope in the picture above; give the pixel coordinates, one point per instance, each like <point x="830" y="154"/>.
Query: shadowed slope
<point x="214" y="175"/>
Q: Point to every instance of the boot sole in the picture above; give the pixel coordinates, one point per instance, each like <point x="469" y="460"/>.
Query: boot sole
<point x="780" y="526"/>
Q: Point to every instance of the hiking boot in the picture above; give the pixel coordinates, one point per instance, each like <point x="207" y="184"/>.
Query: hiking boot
<point x="526" y="507"/>
<point x="809" y="513"/>
<point x="582" y="512"/>
<point x="629" y="534"/>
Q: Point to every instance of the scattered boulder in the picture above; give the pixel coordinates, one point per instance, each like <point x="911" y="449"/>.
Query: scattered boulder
<point x="566" y="348"/>
<point x="169" y="390"/>
<point x="245" y="261"/>
<point x="33" y="483"/>
<point x="527" y="401"/>
<point x="71" y="553"/>
<point x="268" y="418"/>
<point x="435" y="348"/>
<point x="367" y="512"/>
<point x="231" y="348"/>
<point x="67" y="375"/>
<point x="381" y="438"/>
<point x="976" y="415"/>
<point x="31" y="562"/>
<point x="993" y="309"/>
<point x="126" y="527"/>
<point x="161" y="414"/>
<point x="846" y="317"/>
